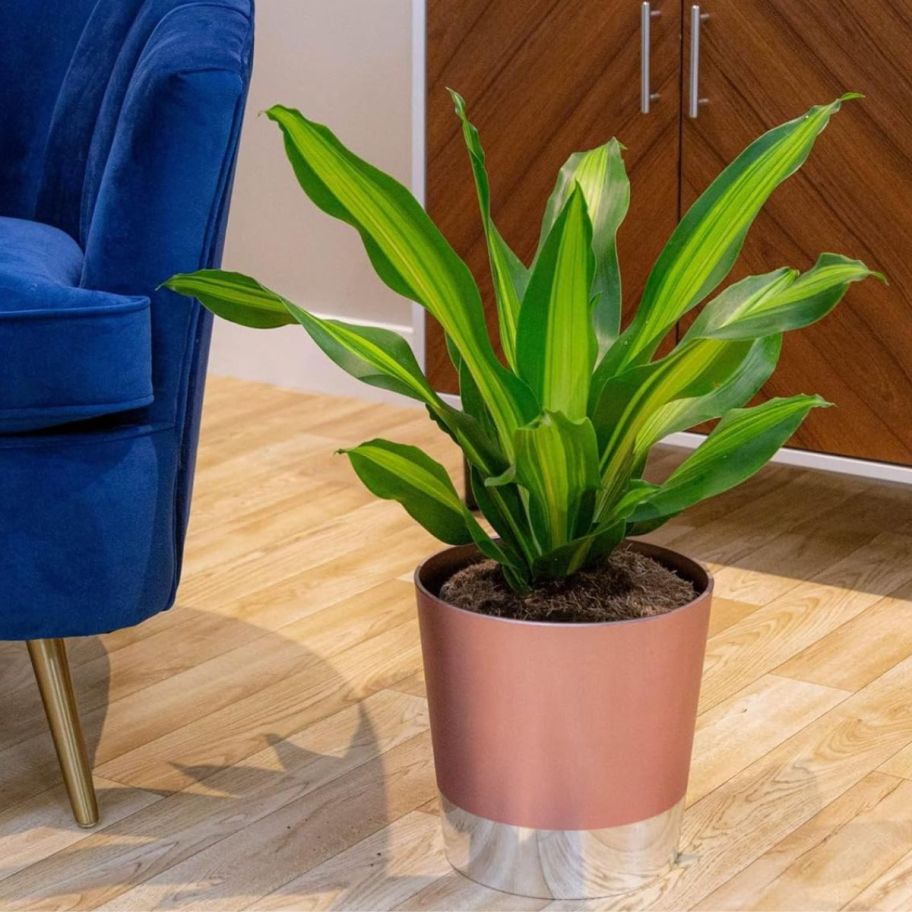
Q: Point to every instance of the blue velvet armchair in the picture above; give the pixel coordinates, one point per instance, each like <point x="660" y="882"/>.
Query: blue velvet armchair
<point x="119" y="124"/>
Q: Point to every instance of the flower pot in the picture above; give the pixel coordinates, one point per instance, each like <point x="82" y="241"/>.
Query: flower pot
<point x="562" y="750"/>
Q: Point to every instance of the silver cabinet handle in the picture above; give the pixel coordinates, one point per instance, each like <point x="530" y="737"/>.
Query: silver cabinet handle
<point x="696" y="18"/>
<point x="647" y="96"/>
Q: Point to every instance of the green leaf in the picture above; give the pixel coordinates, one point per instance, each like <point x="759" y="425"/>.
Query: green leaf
<point x="234" y="297"/>
<point x="376" y="356"/>
<point x="404" y="473"/>
<point x="509" y="274"/>
<point x="779" y="301"/>
<point x="379" y="357"/>
<point x="409" y="254"/>
<point x="629" y="400"/>
<point x="557" y="464"/>
<point x="555" y="347"/>
<point x="737" y="303"/>
<point x="503" y="507"/>
<point x="739" y="446"/>
<point x="601" y="176"/>
<point x="706" y="243"/>
<point x="395" y="471"/>
<point x="579" y="553"/>
<point x="741" y="386"/>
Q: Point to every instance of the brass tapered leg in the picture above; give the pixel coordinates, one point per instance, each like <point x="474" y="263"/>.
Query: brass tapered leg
<point x="52" y="671"/>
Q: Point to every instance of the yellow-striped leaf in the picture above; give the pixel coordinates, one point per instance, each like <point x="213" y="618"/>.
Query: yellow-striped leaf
<point x="706" y="243"/>
<point x="629" y="400"/>
<point x="779" y="301"/>
<point x="601" y="176"/>
<point x="379" y="357"/>
<point x="508" y="273"/>
<point x="557" y="464"/>
<point x="234" y="297"/>
<point x="395" y="471"/>
<point x="409" y="254"/>
<point x="555" y="345"/>
<point x="742" y="443"/>
<point x="741" y="386"/>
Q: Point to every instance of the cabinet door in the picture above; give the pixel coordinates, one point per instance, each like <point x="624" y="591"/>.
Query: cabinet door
<point x="766" y="61"/>
<point x="543" y="79"/>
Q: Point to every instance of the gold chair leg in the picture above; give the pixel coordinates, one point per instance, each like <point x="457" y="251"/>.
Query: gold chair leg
<point x="52" y="672"/>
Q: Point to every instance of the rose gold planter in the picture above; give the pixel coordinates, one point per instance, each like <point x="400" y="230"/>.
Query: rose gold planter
<point x="562" y="750"/>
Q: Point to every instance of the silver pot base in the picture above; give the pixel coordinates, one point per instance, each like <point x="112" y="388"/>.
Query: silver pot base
<point x="560" y="864"/>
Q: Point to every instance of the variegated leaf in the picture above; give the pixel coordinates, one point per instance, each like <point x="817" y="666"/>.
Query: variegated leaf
<point x="408" y="252"/>
<point x="601" y="176"/>
<point x="508" y="273"/>
<point x="555" y="346"/>
<point x="706" y="243"/>
<point x="741" y="444"/>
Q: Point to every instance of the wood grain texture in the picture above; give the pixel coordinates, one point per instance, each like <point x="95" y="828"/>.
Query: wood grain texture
<point x="748" y="725"/>
<point x="377" y="873"/>
<point x="742" y="890"/>
<point x="833" y="872"/>
<point x="891" y="892"/>
<point x="542" y="80"/>
<point x="265" y="743"/>
<point x="767" y="61"/>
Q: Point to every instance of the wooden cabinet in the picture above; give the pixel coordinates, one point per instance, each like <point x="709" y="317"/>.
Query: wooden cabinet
<point x="544" y="79"/>
<point x="765" y="61"/>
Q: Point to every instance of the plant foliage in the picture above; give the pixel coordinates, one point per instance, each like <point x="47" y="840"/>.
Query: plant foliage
<point x="556" y="436"/>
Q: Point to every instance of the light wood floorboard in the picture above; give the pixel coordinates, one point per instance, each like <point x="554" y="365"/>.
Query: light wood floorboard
<point x="265" y="743"/>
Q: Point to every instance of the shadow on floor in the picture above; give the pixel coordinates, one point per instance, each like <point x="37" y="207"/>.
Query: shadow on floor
<point x="232" y="832"/>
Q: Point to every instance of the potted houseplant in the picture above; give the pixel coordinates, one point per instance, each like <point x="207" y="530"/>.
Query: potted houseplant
<point x="563" y="660"/>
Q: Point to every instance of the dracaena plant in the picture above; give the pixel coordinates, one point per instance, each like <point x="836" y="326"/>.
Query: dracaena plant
<point x="557" y="433"/>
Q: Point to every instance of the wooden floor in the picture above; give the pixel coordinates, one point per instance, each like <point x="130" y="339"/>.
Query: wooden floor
<point x="264" y="745"/>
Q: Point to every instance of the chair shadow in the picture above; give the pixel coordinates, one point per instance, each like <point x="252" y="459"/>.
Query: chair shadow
<point x="43" y="855"/>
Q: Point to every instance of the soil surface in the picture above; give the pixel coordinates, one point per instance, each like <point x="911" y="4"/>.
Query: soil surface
<point x="627" y="585"/>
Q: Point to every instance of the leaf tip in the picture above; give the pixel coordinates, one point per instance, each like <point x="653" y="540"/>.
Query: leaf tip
<point x="458" y="100"/>
<point x="173" y="284"/>
<point x="278" y="114"/>
<point x="850" y="96"/>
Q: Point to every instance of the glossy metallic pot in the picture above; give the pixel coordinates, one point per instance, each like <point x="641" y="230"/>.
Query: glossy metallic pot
<point x="562" y="750"/>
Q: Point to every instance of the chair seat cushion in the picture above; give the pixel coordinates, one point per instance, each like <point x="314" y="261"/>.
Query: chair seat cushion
<point x="66" y="353"/>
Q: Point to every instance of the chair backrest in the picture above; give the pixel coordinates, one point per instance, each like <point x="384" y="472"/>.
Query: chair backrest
<point x="119" y="123"/>
<point x="37" y="41"/>
<point x="66" y="72"/>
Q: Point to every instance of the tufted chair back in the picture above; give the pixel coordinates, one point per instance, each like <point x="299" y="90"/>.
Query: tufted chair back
<point x="119" y="125"/>
<point x="94" y="96"/>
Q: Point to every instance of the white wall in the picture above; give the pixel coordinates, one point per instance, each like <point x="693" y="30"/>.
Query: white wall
<point x="348" y="64"/>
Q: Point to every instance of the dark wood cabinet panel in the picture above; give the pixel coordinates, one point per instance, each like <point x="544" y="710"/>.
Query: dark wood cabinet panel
<point x="543" y="79"/>
<point x="765" y="61"/>
<point x="546" y="78"/>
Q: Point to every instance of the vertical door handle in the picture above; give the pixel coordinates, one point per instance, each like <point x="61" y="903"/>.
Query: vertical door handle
<point x="694" y="101"/>
<point x="647" y="96"/>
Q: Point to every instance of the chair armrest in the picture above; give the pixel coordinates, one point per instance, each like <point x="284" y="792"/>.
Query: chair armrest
<point x="69" y="354"/>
